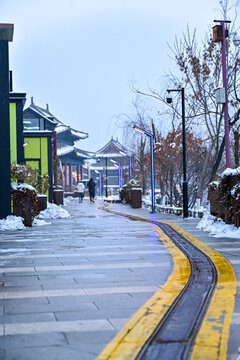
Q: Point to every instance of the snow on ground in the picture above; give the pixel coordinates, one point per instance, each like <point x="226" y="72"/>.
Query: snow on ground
<point x="110" y="197"/>
<point x="217" y="227"/>
<point x="69" y="199"/>
<point x="53" y="212"/>
<point x="38" y="222"/>
<point x="11" y="223"/>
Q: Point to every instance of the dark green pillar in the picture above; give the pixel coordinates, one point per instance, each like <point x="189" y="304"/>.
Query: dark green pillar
<point x="6" y="31"/>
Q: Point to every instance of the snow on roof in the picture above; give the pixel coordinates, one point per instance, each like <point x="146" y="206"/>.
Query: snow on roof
<point x="64" y="150"/>
<point x="81" y="153"/>
<point x="79" y="133"/>
<point x="51" y="118"/>
<point x="61" y="128"/>
<point x="108" y="155"/>
<point x="230" y="171"/>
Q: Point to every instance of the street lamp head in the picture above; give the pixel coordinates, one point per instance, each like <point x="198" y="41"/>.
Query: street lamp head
<point x="122" y="153"/>
<point x="113" y="161"/>
<point x="236" y="39"/>
<point x="168" y="98"/>
<point x="96" y="171"/>
<point x="139" y="130"/>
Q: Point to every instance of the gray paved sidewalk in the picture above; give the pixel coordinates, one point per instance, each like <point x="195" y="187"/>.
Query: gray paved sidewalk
<point x="68" y="287"/>
<point x="71" y="285"/>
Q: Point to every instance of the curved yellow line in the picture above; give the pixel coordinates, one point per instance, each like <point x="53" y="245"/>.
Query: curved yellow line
<point x="212" y="339"/>
<point x="130" y="340"/>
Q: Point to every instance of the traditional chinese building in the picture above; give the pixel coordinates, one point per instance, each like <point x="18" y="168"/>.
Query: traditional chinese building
<point x="112" y="177"/>
<point x="36" y="118"/>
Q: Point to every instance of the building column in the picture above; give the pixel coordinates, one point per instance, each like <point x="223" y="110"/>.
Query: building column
<point x="70" y="176"/>
<point x="81" y="171"/>
<point x="77" y="174"/>
<point x="65" y="175"/>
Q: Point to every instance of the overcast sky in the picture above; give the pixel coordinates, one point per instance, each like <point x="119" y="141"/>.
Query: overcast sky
<point x="79" y="56"/>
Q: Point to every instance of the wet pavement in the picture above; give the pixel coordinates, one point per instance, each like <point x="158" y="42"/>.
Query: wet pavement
<point x="68" y="287"/>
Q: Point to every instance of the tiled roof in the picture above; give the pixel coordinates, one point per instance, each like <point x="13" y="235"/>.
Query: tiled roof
<point x="67" y="149"/>
<point x="114" y="143"/>
<point x="44" y="113"/>
<point x="60" y="128"/>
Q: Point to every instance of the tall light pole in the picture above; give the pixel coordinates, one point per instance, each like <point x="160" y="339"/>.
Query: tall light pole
<point x="219" y="35"/>
<point x="120" y="174"/>
<point x="130" y="162"/>
<point x="142" y="131"/>
<point x="185" y="184"/>
<point x="106" y="173"/>
<point x="100" y="181"/>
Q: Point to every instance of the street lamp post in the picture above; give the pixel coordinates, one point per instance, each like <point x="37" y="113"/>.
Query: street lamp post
<point x="106" y="173"/>
<point x="100" y="181"/>
<point x="142" y="131"/>
<point x="120" y="174"/>
<point x="219" y="35"/>
<point x="185" y="184"/>
<point x="130" y="162"/>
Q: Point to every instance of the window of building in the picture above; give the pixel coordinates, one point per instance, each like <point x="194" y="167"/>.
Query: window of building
<point x="33" y="124"/>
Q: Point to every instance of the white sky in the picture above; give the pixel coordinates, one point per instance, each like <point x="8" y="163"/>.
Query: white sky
<point x="79" y="56"/>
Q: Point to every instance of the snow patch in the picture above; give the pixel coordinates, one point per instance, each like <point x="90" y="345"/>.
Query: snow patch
<point x="217" y="227"/>
<point x="230" y="171"/>
<point x="38" y="222"/>
<point x="53" y="212"/>
<point x="11" y="223"/>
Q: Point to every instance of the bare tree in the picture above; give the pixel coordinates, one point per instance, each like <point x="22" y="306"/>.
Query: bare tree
<point x="200" y="72"/>
<point x="137" y="144"/>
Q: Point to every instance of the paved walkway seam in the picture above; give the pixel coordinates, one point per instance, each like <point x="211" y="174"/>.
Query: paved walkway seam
<point x="130" y="340"/>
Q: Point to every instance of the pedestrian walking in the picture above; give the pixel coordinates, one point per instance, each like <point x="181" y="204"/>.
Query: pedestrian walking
<point x="80" y="189"/>
<point x="91" y="188"/>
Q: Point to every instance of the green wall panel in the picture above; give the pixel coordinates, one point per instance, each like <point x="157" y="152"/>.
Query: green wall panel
<point x="37" y="154"/>
<point x="44" y="155"/>
<point x="33" y="149"/>
<point x="33" y="163"/>
<point x="13" y="133"/>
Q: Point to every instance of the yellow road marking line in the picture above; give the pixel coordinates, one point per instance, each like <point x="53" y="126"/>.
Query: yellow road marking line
<point x="129" y="341"/>
<point x="212" y="339"/>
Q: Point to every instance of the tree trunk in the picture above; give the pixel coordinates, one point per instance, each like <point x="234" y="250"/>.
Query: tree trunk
<point x="218" y="160"/>
<point x="236" y="148"/>
<point x="204" y="173"/>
